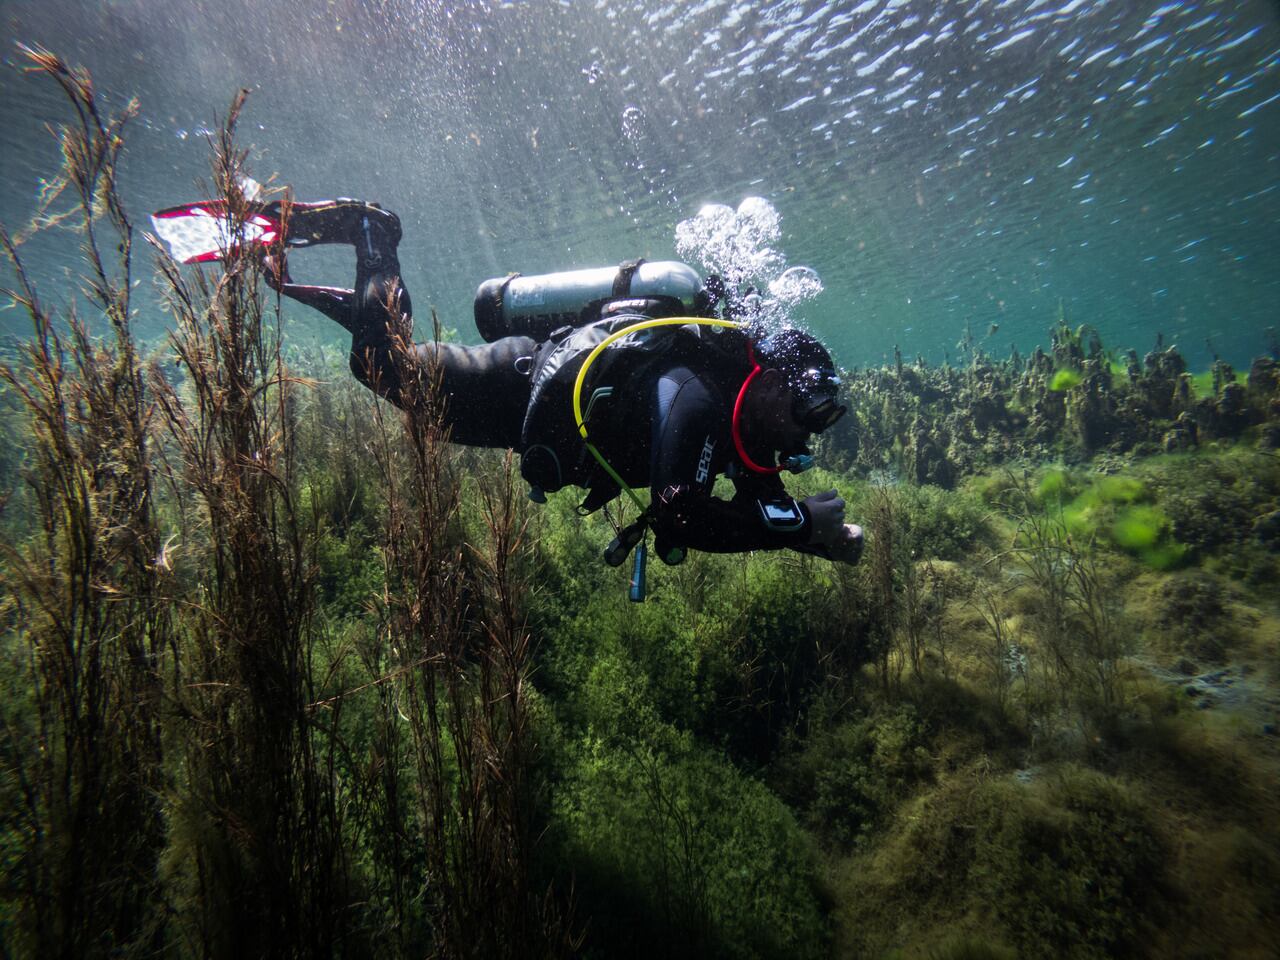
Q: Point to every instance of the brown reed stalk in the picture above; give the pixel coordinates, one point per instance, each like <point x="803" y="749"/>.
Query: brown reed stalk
<point x="86" y="621"/>
<point x="1003" y="657"/>
<point x="423" y="630"/>
<point x="255" y="848"/>
<point x="452" y="619"/>
<point x="533" y="924"/>
<point x="882" y="569"/>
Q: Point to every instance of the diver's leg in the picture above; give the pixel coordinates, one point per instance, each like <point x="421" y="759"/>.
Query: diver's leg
<point x="379" y="303"/>
<point x="375" y="233"/>
<point x="331" y="221"/>
<point x="333" y="302"/>
<point x="380" y="307"/>
<point x="485" y="388"/>
<point x="309" y="224"/>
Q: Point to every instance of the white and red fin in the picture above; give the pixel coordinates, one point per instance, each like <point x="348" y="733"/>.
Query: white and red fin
<point x="201" y="232"/>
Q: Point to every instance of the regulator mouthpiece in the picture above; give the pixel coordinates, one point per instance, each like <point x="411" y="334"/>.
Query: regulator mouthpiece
<point x="798" y="462"/>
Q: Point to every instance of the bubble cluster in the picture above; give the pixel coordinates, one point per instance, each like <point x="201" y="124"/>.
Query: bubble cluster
<point x="795" y="285"/>
<point x="736" y="244"/>
<point x="740" y="246"/>
<point x="633" y="123"/>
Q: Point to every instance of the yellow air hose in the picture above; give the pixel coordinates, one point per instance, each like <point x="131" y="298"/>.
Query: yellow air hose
<point x="591" y="358"/>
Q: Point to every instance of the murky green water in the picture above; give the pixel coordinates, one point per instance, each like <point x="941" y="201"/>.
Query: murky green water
<point x="937" y="163"/>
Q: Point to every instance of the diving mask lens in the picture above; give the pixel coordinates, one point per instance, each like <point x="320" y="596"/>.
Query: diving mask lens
<point x="816" y="407"/>
<point x="822" y="414"/>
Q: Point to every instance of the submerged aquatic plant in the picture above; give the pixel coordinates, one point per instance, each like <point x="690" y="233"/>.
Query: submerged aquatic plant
<point x="1120" y="510"/>
<point x="1139" y="528"/>
<point x="87" y="629"/>
<point x="1075" y="617"/>
<point x="1056" y="486"/>
<point x="1065" y="379"/>
<point x="453" y="646"/>
<point x="253" y="856"/>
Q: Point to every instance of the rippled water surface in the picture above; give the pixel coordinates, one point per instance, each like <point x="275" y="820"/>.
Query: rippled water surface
<point x="938" y="164"/>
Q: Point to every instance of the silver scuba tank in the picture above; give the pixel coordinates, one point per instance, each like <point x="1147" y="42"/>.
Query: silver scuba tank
<point x="535" y="306"/>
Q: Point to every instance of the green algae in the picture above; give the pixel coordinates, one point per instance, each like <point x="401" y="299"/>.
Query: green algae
<point x="1065" y="379"/>
<point x="1139" y="528"/>
<point x="1147" y="532"/>
<point x="1056" y="486"/>
<point x="1094" y="509"/>
<point x="1203" y="384"/>
<point x="1120" y="489"/>
<point x="1120" y="510"/>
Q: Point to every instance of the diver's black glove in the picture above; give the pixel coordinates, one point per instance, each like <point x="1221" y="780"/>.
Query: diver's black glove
<point x="849" y="549"/>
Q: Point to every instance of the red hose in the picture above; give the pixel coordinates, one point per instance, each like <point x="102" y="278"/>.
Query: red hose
<point x="735" y="428"/>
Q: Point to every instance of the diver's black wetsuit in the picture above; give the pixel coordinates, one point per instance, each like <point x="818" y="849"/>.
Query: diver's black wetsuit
<point x="487" y="395"/>
<point x="688" y="417"/>
<point x="691" y="445"/>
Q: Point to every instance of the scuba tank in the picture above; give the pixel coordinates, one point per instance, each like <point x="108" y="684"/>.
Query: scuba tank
<point x="536" y="306"/>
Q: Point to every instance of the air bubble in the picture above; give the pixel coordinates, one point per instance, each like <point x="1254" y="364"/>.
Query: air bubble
<point x="632" y="123"/>
<point x="796" y="285"/>
<point x="740" y="246"/>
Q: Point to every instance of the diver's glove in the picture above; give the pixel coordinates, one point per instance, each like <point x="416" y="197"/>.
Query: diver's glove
<point x="849" y="549"/>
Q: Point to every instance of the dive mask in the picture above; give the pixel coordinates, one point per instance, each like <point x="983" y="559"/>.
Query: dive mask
<point x="815" y="407"/>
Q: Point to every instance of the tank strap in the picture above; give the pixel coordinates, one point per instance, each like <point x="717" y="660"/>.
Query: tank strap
<point x="626" y="271"/>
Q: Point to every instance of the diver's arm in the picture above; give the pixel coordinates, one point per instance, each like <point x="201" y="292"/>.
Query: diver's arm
<point x="846" y="549"/>
<point x="687" y="516"/>
<point x="825" y="532"/>
<point x="690" y="441"/>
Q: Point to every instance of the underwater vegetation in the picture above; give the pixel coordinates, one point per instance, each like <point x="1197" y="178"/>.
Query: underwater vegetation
<point x="286" y="674"/>
<point x="1074" y="403"/>
<point x="1120" y="509"/>
<point x="1065" y="380"/>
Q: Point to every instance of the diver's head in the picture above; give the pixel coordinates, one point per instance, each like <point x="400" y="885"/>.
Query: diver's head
<point x="809" y="374"/>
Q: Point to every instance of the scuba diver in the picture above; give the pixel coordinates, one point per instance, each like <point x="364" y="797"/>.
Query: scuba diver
<point x="673" y="396"/>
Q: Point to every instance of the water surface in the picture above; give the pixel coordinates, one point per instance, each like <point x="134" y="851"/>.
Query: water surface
<point x="939" y="164"/>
